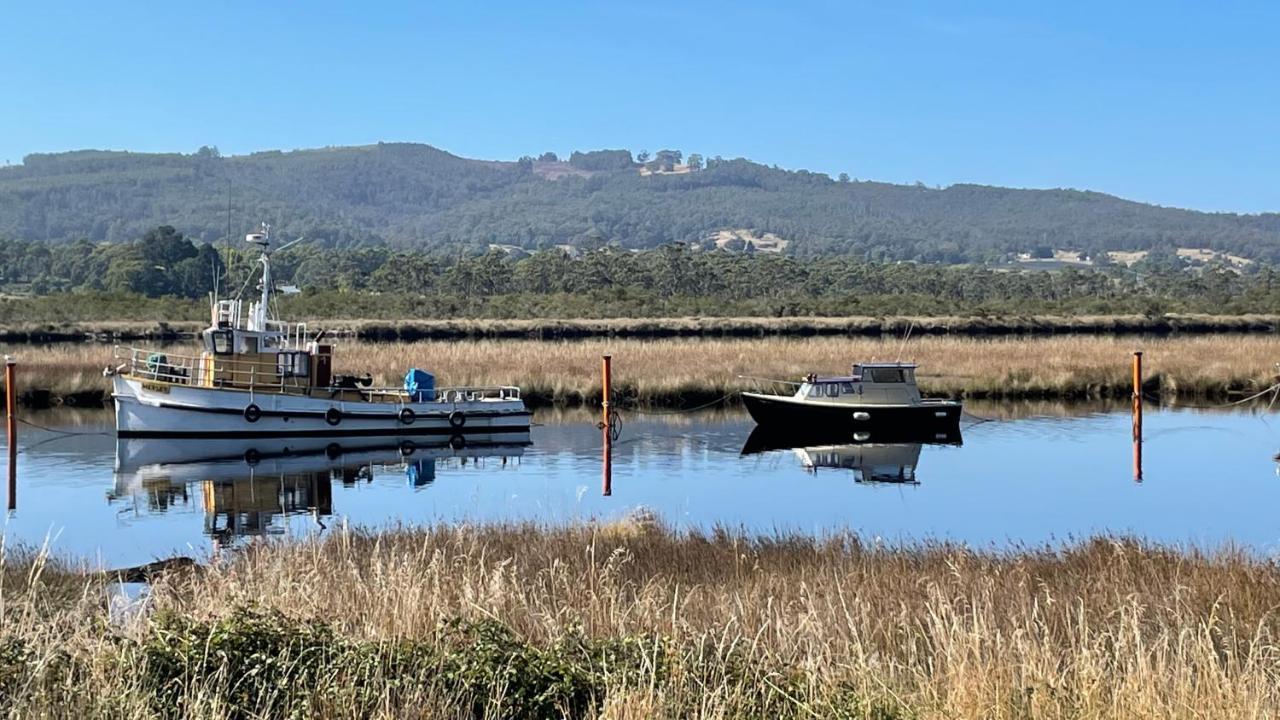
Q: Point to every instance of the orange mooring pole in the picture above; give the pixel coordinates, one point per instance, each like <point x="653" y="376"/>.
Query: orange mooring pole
<point x="606" y="426"/>
<point x="606" y="370"/>
<point x="11" y="427"/>
<point x="1137" y="415"/>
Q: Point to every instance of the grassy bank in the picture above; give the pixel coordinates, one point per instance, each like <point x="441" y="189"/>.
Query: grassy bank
<point x="672" y="327"/>
<point x="632" y="621"/>
<point x="675" y="372"/>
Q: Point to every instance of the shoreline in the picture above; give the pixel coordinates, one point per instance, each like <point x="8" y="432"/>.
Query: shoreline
<point x="628" y="397"/>
<point x="686" y="373"/>
<point x="375" y="330"/>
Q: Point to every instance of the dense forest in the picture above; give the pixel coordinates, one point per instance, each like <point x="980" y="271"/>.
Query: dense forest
<point x="89" y="281"/>
<point x="416" y="196"/>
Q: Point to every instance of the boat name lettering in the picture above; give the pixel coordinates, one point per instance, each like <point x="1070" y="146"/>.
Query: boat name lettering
<point x="155" y="387"/>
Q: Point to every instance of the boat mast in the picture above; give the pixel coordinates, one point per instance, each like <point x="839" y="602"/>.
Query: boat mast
<point x="258" y="320"/>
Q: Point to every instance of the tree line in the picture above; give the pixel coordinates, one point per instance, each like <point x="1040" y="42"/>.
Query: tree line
<point x="672" y="279"/>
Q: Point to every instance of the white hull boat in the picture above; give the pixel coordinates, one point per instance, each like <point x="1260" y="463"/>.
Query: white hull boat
<point x="150" y="409"/>
<point x="258" y="377"/>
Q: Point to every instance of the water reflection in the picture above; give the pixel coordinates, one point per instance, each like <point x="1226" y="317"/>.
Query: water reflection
<point x="248" y="488"/>
<point x="1045" y="477"/>
<point x="872" y="457"/>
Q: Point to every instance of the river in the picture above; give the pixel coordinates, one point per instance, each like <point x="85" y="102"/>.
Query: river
<point x="1209" y="479"/>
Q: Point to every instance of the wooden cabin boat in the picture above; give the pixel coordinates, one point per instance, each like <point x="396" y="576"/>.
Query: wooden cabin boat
<point x="873" y="396"/>
<point x="260" y="377"/>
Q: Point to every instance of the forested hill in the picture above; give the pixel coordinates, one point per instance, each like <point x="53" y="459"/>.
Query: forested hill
<point x="419" y="196"/>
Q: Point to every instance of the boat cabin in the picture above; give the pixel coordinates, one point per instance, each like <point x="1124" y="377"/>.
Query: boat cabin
<point x="261" y="352"/>
<point x="869" y="383"/>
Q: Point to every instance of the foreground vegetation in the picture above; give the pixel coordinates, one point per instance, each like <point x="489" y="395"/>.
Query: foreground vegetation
<point x="632" y="621"/>
<point x="677" y="372"/>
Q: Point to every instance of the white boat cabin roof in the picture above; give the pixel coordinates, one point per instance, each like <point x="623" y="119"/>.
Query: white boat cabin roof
<point x="860" y="374"/>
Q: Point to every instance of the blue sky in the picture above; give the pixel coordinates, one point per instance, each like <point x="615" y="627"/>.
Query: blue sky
<point x="1172" y="103"/>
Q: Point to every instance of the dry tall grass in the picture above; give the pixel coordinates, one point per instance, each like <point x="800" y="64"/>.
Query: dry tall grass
<point x="671" y="371"/>
<point x="717" y="626"/>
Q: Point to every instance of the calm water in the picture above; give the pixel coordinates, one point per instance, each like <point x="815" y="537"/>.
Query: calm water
<point x="1209" y="478"/>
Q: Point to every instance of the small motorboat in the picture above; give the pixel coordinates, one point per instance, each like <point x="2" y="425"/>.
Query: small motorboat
<point x="875" y="396"/>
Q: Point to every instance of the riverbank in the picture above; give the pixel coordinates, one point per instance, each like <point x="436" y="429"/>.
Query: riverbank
<point x="673" y="327"/>
<point x="677" y="373"/>
<point x="629" y="620"/>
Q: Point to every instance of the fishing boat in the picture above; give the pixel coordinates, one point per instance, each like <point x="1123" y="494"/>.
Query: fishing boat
<point x="257" y="376"/>
<point x="876" y="396"/>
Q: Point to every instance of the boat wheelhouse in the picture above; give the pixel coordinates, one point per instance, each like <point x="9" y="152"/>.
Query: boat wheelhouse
<point x="873" y="395"/>
<point x="257" y="376"/>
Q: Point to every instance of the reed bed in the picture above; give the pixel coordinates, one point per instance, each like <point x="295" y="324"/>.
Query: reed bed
<point x="682" y="372"/>
<point x="632" y="620"/>
<point x="660" y="327"/>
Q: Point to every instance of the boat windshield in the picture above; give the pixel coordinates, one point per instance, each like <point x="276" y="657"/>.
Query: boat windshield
<point x="825" y="389"/>
<point x="887" y="375"/>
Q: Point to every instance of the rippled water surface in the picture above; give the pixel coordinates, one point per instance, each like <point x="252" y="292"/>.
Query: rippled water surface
<point x="1208" y="478"/>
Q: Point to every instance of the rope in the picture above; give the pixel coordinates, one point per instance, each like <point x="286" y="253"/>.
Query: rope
<point x="38" y="426"/>
<point x="977" y="419"/>
<point x="683" y="411"/>
<point x="1274" y="388"/>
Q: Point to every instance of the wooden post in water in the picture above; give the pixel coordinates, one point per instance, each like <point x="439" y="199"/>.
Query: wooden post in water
<point x="606" y="426"/>
<point x="11" y="427"/>
<point x="606" y="370"/>
<point x="1137" y="415"/>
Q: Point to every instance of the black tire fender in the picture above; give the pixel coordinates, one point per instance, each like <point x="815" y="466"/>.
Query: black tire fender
<point x="333" y="416"/>
<point x="252" y="456"/>
<point x="457" y="418"/>
<point x="407" y="416"/>
<point x="457" y="442"/>
<point x="407" y="448"/>
<point x="252" y="413"/>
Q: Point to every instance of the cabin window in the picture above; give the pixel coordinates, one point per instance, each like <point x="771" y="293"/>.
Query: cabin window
<point x="218" y="342"/>
<point x="846" y="388"/>
<point x="251" y="344"/>
<point x="811" y="390"/>
<point x="293" y="364"/>
<point x="887" y="375"/>
<point x="832" y="389"/>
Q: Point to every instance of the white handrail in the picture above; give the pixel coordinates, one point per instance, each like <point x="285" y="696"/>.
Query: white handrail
<point x="150" y="364"/>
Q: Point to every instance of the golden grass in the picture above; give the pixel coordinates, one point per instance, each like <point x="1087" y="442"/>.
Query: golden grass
<point x="674" y="371"/>
<point x="726" y="627"/>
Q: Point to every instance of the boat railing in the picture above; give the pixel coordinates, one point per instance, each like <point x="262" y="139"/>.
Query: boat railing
<point x="157" y="365"/>
<point x="231" y="371"/>
<point x="294" y="334"/>
<point x="770" y="386"/>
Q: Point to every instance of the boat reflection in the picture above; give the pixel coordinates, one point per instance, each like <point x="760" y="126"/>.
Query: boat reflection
<point x="248" y="488"/>
<point x="889" y="457"/>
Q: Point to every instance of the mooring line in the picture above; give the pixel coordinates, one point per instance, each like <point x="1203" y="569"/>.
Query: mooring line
<point x="38" y="426"/>
<point x="682" y="411"/>
<point x="978" y="419"/>
<point x="1274" y="388"/>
